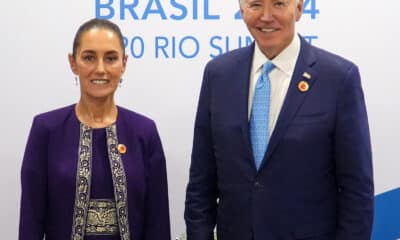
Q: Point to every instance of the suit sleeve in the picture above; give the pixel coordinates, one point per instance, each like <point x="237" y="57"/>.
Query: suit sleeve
<point x="34" y="184"/>
<point x="201" y="192"/>
<point x="157" y="225"/>
<point x="353" y="162"/>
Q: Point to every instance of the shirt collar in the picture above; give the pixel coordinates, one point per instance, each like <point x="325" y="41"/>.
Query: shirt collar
<point x="284" y="61"/>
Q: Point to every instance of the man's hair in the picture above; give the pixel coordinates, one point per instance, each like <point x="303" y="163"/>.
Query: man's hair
<point x="241" y="1"/>
<point x="96" y="23"/>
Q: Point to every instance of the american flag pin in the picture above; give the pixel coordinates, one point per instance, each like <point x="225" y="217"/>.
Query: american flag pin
<point x="307" y="75"/>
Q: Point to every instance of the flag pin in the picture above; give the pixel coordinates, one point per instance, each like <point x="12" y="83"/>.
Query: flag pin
<point x="307" y="75"/>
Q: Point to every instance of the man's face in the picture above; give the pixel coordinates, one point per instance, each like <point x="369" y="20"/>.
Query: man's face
<point x="271" y="22"/>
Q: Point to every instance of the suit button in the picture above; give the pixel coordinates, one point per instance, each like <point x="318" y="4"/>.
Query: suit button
<point x="258" y="186"/>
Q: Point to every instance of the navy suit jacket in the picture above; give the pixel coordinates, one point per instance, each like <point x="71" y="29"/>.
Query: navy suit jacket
<point x="315" y="181"/>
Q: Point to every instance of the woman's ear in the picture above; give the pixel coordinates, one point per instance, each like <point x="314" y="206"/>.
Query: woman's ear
<point x="72" y="64"/>
<point x="124" y="61"/>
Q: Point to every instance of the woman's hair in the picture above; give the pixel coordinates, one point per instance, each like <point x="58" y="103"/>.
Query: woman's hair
<point x="97" y="23"/>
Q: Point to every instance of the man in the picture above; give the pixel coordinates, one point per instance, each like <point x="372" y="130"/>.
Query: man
<point x="314" y="177"/>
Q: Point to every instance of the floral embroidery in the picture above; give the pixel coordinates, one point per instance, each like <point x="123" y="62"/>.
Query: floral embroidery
<point x="119" y="180"/>
<point x="81" y="221"/>
<point x="83" y="176"/>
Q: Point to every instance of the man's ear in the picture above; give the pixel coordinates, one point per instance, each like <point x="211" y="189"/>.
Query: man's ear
<point x="299" y="9"/>
<point x="241" y="7"/>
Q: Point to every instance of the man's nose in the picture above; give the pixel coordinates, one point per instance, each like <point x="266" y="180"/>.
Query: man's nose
<point x="267" y="13"/>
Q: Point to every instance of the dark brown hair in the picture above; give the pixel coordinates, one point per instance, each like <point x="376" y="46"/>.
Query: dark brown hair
<point x="97" y="23"/>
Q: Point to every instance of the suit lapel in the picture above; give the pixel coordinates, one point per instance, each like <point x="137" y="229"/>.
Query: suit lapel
<point x="294" y="97"/>
<point x="242" y="74"/>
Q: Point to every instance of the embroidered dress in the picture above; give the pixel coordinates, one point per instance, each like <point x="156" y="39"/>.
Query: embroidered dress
<point x="99" y="216"/>
<point x="102" y="191"/>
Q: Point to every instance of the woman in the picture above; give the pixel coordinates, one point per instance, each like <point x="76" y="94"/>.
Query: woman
<point x="94" y="170"/>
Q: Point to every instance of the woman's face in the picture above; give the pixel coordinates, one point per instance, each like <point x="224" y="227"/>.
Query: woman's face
<point x="99" y="62"/>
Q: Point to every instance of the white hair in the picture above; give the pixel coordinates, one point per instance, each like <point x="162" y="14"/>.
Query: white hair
<point x="241" y="1"/>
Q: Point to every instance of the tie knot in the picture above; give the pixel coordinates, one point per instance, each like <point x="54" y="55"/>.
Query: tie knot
<point x="267" y="67"/>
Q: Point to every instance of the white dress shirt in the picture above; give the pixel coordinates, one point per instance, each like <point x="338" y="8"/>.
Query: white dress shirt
<point x="279" y="77"/>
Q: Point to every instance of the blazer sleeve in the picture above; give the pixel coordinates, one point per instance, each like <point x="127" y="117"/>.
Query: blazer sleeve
<point x="353" y="161"/>
<point x="201" y="192"/>
<point x="34" y="184"/>
<point x="157" y="225"/>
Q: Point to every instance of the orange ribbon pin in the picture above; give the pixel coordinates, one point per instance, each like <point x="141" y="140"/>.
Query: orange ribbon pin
<point x="303" y="86"/>
<point x="121" y="148"/>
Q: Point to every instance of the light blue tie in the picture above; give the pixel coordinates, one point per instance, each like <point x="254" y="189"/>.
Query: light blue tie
<point x="259" y="118"/>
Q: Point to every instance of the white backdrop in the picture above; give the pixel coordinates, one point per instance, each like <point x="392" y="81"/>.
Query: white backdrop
<point x="36" y="36"/>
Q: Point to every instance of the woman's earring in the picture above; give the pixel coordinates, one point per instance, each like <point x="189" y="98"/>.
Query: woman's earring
<point x="76" y="80"/>
<point x="120" y="82"/>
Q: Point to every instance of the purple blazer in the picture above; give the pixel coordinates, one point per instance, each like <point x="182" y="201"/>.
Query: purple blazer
<point x="49" y="170"/>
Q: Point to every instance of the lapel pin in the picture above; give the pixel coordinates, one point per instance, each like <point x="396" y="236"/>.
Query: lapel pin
<point x="121" y="148"/>
<point x="307" y="75"/>
<point x="303" y="86"/>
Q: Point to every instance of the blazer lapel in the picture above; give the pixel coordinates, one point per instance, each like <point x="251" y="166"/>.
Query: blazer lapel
<point x="294" y="97"/>
<point x="242" y="74"/>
